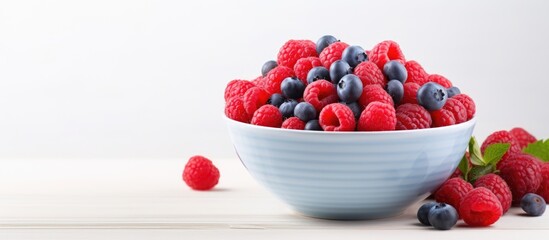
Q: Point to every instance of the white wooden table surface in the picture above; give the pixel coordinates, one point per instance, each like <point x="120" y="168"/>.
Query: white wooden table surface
<point x="146" y="199"/>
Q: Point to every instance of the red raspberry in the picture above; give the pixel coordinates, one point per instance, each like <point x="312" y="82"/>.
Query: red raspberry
<point x="416" y="74"/>
<point x="457" y="108"/>
<point x="385" y="51"/>
<point x="480" y="207"/>
<point x="543" y="189"/>
<point x="254" y="98"/>
<point x="499" y="187"/>
<point x="275" y="78"/>
<point x="268" y="116"/>
<point x="452" y="192"/>
<point x="410" y="93"/>
<point x="293" y="123"/>
<point x="501" y="137"/>
<point x="369" y="74"/>
<point x="412" y="116"/>
<point x="440" y="80"/>
<point x="320" y="93"/>
<point x="293" y="50"/>
<point x="332" y="53"/>
<point x="374" y="93"/>
<point x="337" y="117"/>
<point x="304" y="65"/>
<point x="200" y="173"/>
<point x="234" y="109"/>
<point x="237" y="88"/>
<point x="468" y="103"/>
<point x="442" y="118"/>
<point x="522" y="137"/>
<point x="377" y="116"/>
<point x="522" y="173"/>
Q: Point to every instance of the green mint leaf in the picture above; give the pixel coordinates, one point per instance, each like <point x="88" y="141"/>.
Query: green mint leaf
<point x="463" y="166"/>
<point x="539" y="149"/>
<point x="494" y="152"/>
<point x="479" y="171"/>
<point x="476" y="155"/>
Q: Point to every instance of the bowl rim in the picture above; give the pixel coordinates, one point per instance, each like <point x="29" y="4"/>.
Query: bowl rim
<point x="463" y="125"/>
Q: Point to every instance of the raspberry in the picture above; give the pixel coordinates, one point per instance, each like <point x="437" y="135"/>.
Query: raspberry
<point x="522" y="173"/>
<point x="385" y="51"/>
<point x="293" y="123"/>
<point x="377" y="116"/>
<point x="499" y="187"/>
<point x="200" y="173"/>
<point x="234" y="109"/>
<point x="452" y="192"/>
<point x="480" y="207"/>
<point x="442" y="118"/>
<point x="237" y="88"/>
<point x="293" y="50"/>
<point x="320" y="93"/>
<point x="337" y="117"/>
<point x="440" y="80"/>
<point x="302" y="67"/>
<point x="374" y="93"/>
<point x="410" y="93"/>
<point x="268" y="116"/>
<point x="457" y="108"/>
<point x="332" y="53"/>
<point x="522" y="137"/>
<point x="412" y="116"/>
<point x="275" y="78"/>
<point x="369" y="74"/>
<point x="543" y="189"/>
<point x="468" y="103"/>
<point x="416" y="74"/>
<point x="501" y="137"/>
<point x="254" y="98"/>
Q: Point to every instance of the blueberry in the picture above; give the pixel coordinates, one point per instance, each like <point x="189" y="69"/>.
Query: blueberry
<point x="324" y="41"/>
<point x="313" y="125"/>
<point x="338" y="69"/>
<point x="443" y="216"/>
<point x="287" y="108"/>
<point x="305" y="111"/>
<point x="317" y="73"/>
<point x="349" y="88"/>
<point x="423" y="213"/>
<point x="268" y="66"/>
<point x="395" y="70"/>
<point x="396" y="90"/>
<point x="276" y="99"/>
<point x="354" y="55"/>
<point x="292" y="88"/>
<point x="432" y="96"/>
<point x="453" y="91"/>
<point x="533" y="204"/>
<point x="355" y="107"/>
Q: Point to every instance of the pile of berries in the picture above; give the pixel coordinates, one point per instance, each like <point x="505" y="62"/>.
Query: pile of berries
<point x="334" y="86"/>
<point x="509" y="168"/>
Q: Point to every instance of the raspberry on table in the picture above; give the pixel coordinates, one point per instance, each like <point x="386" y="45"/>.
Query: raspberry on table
<point x="293" y="123"/>
<point x="522" y="137"/>
<point x="410" y="93"/>
<point x="543" y="189"/>
<point x="416" y="73"/>
<point x="522" y="172"/>
<point x="200" y="173"/>
<point x="254" y="98"/>
<point x="275" y="77"/>
<point x="442" y="118"/>
<point x="237" y="88"/>
<point x="374" y="93"/>
<point x="377" y="116"/>
<point x="480" y="208"/>
<point x="234" y="109"/>
<point x="337" y="117"/>
<point x="412" y="116"/>
<point x="304" y="65"/>
<point x="369" y="74"/>
<point x="499" y="187"/>
<point x="468" y="103"/>
<point x="452" y="192"/>
<point x="267" y="116"/>
<point x="384" y="52"/>
<point x="293" y="50"/>
<point x="332" y="53"/>
<point x="501" y="137"/>
<point x="440" y="80"/>
<point x="457" y="108"/>
<point x="320" y="93"/>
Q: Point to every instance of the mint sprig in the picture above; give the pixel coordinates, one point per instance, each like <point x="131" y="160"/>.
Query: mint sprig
<point x="539" y="149"/>
<point x="481" y="164"/>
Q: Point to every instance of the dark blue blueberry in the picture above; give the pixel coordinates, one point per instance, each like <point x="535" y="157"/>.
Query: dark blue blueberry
<point x="276" y="99"/>
<point x="338" y="69"/>
<point x="313" y="125"/>
<point x="533" y="204"/>
<point x="423" y="213"/>
<point x="349" y="88"/>
<point x="292" y="88"/>
<point x="324" y="41"/>
<point x="443" y="216"/>
<point x="268" y="66"/>
<point x="432" y="96"/>
<point x="396" y="90"/>
<point x="305" y="111"/>
<point x="354" y="55"/>
<point x="287" y="108"/>
<point x="395" y="70"/>
<point x="453" y="91"/>
<point x="317" y="73"/>
<point x="355" y="107"/>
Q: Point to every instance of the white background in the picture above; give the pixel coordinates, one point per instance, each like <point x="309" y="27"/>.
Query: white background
<point x="145" y="79"/>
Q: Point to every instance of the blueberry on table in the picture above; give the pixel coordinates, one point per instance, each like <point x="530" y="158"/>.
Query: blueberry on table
<point x="318" y="73"/>
<point x="423" y="213"/>
<point x="533" y="204"/>
<point x="432" y="96"/>
<point x="313" y="125"/>
<point x="292" y="88"/>
<point x="305" y="111"/>
<point x="443" y="216"/>
<point x="349" y="88"/>
<point x="453" y="91"/>
<point x="396" y="90"/>
<point x="395" y="70"/>
<point x="287" y="108"/>
<point x="324" y="42"/>
<point x="276" y="99"/>
<point x="268" y="66"/>
<point x="354" y="55"/>
<point x="338" y="69"/>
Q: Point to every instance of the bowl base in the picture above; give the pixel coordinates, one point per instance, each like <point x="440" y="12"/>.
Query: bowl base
<point x="348" y="216"/>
